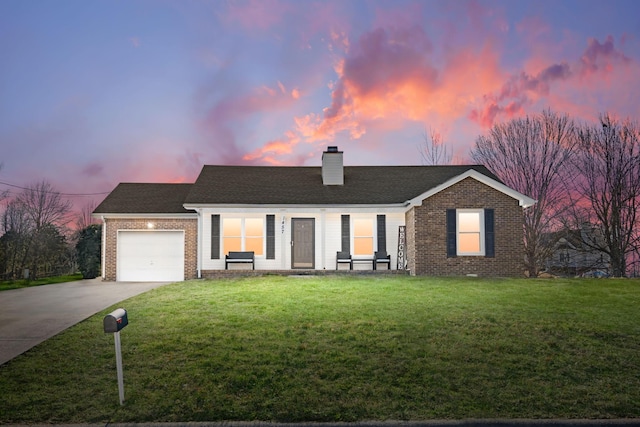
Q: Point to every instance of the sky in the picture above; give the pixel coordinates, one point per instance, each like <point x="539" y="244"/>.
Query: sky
<point x="93" y="93"/>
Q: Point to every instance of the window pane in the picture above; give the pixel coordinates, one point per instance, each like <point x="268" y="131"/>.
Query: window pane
<point x="363" y="227"/>
<point x="468" y="221"/>
<point x="469" y="243"/>
<point x="232" y="227"/>
<point x="363" y="246"/>
<point x="254" y="244"/>
<point x="253" y="227"/>
<point x="231" y="244"/>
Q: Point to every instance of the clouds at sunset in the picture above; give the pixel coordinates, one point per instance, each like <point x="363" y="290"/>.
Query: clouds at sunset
<point x="600" y="61"/>
<point x="224" y="117"/>
<point x="388" y="75"/>
<point x="151" y="91"/>
<point x="384" y="76"/>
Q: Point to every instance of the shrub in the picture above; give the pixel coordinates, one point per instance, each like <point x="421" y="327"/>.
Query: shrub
<point x="88" y="250"/>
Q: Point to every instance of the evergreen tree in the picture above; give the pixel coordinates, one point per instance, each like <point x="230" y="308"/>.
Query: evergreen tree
<point x="88" y="250"/>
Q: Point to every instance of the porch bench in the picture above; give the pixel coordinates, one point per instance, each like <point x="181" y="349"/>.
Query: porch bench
<point x="380" y="257"/>
<point x="240" y="258"/>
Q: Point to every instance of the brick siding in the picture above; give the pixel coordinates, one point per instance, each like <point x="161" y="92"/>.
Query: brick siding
<point x="426" y="233"/>
<point x="190" y="227"/>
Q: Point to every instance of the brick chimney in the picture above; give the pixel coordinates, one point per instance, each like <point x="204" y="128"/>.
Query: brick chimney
<point x="332" y="167"/>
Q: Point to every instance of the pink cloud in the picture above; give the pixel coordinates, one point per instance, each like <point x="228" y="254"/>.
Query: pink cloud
<point x="383" y="73"/>
<point x="387" y="77"/>
<point x="328" y="21"/>
<point x="517" y="93"/>
<point x="389" y="16"/>
<point x="263" y="98"/>
<point x="255" y="14"/>
<point x="222" y="120"/>
<point x="490" y="111"/>
<point x="382" y="60"/>
<point x="601" y="57"/>
<point x="393" y="76"/>
<point x="309" y="21"/>
<point x="521" y="90"/>
<point x="340" y="40"/>
<point x="277" y="147"/>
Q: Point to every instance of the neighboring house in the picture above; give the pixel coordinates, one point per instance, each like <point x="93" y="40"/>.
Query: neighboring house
<point x="454" y="220"/>
<point x="573" y="253"/>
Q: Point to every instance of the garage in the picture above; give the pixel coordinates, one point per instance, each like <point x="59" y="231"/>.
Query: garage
<point x="150" y="256"/>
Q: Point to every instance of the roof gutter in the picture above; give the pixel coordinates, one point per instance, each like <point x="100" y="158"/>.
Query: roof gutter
<point x="145" y="215"/>
<point x="523" y="201"/>
<point x="293" y="207"/>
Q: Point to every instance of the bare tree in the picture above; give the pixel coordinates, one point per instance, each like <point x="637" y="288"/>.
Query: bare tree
<point x="608" y="188"/>
<point x="434" y="150"/>
<point x="530" y="155"/>
<point x="45" y="208"/>
<point x="16" y="232"/>
<point x="45" y="205"/>
<point x="5" y="193"/>
<point x="84" y="218"/>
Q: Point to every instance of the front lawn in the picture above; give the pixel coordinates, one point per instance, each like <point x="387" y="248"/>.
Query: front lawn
<point x="344" y="349"/>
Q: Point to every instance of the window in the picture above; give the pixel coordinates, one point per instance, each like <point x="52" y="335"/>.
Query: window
<point x="253" y="235"/>
<point x="470" y="232"/>
<point x="470" y="240"/>
<point x="243" y="234"/>
<point x="363" y="236"/>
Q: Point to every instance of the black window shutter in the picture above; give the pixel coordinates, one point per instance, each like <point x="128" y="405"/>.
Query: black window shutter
<point x="271" y="237"/>
<point x="345" y="234"/>
<point x="489" y="235"/>
<point x="215" y="236"/>
<point x="382" y="233"/>
<point x="451" y="234"/>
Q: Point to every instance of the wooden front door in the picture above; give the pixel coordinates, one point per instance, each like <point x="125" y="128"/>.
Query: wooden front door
<point x="303" y="243"/>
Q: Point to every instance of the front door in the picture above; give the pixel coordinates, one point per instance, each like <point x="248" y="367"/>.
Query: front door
<point x="302" y="243"/>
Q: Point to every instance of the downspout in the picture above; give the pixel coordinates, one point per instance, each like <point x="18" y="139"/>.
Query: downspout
<point x="323" y="237"/>
<point x="199" y="244"/>
<point x="104" y="247"/>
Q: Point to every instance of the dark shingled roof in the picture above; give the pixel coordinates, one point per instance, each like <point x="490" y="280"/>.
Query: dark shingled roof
<point x="145" y="198"/>
<point x="277" y="185"/>
<point x="303" y="185"/>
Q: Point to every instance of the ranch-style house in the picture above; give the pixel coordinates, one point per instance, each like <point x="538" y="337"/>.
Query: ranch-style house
<point x="426" y="220"/>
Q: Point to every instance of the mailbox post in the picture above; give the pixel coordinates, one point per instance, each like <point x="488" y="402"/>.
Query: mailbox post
<point x="113" y="323"/>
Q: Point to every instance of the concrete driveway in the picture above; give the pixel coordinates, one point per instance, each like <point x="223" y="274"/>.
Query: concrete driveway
<point x="29" y="316"/>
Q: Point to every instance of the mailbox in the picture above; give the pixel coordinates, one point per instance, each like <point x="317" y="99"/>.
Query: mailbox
<point x="115" y="321"/>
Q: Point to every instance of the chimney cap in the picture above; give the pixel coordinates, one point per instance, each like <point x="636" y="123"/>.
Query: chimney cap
<point x="332" y="149"/>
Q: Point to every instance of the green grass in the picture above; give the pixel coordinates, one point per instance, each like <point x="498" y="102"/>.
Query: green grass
<point x="344" y="349"/>
<point x="17" y="284"/>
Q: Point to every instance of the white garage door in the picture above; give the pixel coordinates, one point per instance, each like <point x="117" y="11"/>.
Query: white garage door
<point x="150" y="256"/>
